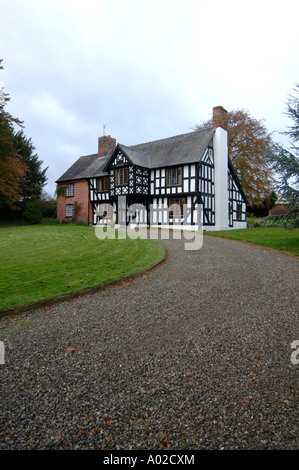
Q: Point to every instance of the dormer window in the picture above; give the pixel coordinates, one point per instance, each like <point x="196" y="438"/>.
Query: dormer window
<point x="121" y="176"/>
<point x="174" y="176"/>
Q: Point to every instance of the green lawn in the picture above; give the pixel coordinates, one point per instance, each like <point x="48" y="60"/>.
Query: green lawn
<point x="43" y="261"/>
<point x="272" y="237"/>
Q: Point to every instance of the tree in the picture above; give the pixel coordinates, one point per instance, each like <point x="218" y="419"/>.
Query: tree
<point x="12" y="169"/>
<point x="33" y="212"/>
<point x="20" y="168"/>
<point x="293" y="113"/>
<point x="35" y="178"/>
<point x="286" y="163"/>
<point x="249" y="143"/>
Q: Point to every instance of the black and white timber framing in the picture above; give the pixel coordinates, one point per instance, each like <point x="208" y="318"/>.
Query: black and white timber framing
<point x="147" y="187"/>
<point x="163" y="183"/>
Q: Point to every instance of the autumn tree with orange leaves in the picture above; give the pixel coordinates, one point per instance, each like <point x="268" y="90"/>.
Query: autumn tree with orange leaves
<point x="21" y="174"/>
<point x="12" y="169"/>
<point x="249" y="143"/>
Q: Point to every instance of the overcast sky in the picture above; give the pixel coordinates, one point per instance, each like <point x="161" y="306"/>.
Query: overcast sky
<point x="149" y="69"/>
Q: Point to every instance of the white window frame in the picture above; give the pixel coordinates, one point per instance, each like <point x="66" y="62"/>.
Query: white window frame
<point x="70" y="190"/>
<point x="69" y="210"/>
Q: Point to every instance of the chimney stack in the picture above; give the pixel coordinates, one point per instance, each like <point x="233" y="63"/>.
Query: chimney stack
<point x="105" y="144"/>
<point x="220" y="117"/>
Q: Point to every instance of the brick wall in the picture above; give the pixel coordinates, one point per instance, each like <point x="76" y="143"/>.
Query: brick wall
<point x="80" y="201"/>
<point x="220" y="117"/>
<point x="105" y="144"/>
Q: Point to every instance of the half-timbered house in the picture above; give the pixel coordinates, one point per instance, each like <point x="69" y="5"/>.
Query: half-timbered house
<point x="160" y="183"/>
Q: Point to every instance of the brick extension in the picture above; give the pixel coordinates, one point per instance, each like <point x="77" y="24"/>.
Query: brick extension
<point x="81" y="198"/>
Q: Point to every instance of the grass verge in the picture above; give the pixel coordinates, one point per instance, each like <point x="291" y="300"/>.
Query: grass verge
<point x="275" y="238"/>
<point x="43" y="261"/>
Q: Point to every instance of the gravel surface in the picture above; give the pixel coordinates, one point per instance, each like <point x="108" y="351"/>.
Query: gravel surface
<point x="196" y="354"/>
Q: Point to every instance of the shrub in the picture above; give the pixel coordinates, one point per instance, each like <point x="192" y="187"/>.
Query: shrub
<point x="33" y="213"/>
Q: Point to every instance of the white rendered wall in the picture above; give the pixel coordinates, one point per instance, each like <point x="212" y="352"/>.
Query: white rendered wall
<point x="221" y="190"/>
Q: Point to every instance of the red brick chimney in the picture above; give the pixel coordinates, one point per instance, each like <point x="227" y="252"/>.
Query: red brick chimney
<point x="105" y="144"/>
<point x="220" y="117"/>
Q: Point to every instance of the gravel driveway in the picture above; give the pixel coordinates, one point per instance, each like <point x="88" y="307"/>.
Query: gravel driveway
<point x="196" y="354"/>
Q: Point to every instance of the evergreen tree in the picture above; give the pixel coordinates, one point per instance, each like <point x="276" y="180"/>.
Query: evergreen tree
<point x="286" y="163"/>
<point x="35" y="178"/>
<point x="293" y="113"/>
<point x="33" y="212"/>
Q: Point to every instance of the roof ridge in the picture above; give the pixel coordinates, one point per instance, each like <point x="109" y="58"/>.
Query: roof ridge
<point x="92" y="155"/>
<point x="172" y="137"/>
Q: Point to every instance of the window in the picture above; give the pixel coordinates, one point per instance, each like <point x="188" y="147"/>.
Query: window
<point x="239" y="211"/>
<point x="176" y="206"/>
<point x="174" y="176"/>
<point x="70" y="190"/>
<point x="103" y="184"/>
<point x="121" y="176"/>
<point x="69" y="210"/>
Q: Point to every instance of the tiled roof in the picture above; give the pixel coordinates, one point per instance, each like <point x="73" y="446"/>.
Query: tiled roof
<point x="85" y="167"/>
<point x="185" y="148"/>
